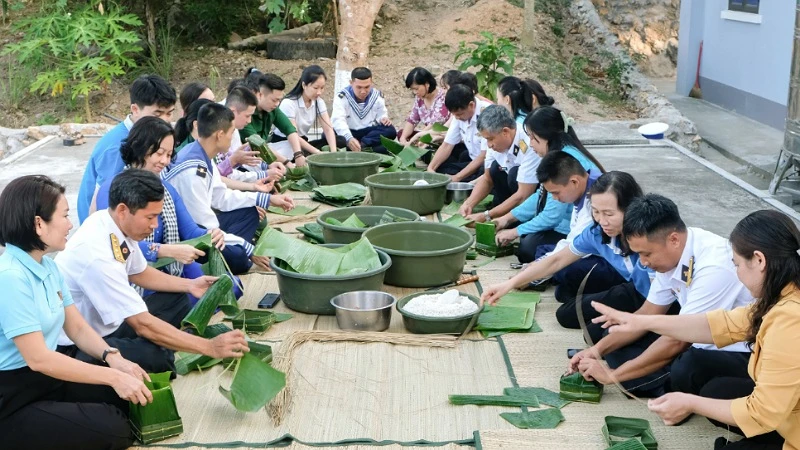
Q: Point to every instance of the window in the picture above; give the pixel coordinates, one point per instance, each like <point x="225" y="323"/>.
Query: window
<point x="747" y="6"/>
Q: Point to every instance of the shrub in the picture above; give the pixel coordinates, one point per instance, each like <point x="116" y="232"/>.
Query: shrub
<point x="490" y="55"/>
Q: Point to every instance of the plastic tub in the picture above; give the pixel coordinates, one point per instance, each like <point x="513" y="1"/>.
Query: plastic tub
<point x="343" y="167"/>
<point x="312" y="294"/>
<point x="435" y="325"/>
<point x="370" y="215"/>
<point x="397" y="189"/>
<point x="424" y="254"/>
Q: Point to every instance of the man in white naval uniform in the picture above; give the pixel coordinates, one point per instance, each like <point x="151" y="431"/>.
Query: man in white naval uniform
<point x="360" y="115"/>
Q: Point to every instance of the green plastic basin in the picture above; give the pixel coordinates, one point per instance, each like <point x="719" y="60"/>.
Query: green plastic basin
<point x="343" y="167"/>
<point x="397" y="189"/>
<point x="312" y="294"/>
<point x="424" y="254"/>
<point x="370" y="215"/>
<point x="435" y="325"/>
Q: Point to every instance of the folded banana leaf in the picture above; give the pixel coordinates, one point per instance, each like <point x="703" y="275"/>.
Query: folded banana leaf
<point x="630" y="444"/>
<point x="503" y="318"/>
<point x="186" y="362"/>
<point x="354" y="222"/>
<point x="202" y="311"/>
<point x="333" y="221"/>
<point x="426" y="139"/>
<point x="410" y="154"/>
<point x="540" y="419"/>
<point x="545" y="396"/>
<point x="313" y="232"/>
<point x="299" y="210"/>
<point x="391" y="145"/>
<point x="388" y="217"/>
<point x="296" y="173"/>
<point x="577" y="389"/>
<point x="303" y="257"/>
<point x="218" y="268"/>
<point x="215" y="330"/>
<point x="201" y="243"/>
<point x="257" y="143"/>
<point x="620" y="429"/>
<point x="158" y="420"/>
<point x="521" y="398"/>
<point x="439" y="127"/>
<point x="346" y="194"/>
<point x="484" y="204"/>
<point x="527" y="300"/>
<point x="254" y="384"/>
<point x="257" y="320"/>
<point x="472" y="254"/>
<point x="485" y="242"/>
<point x="458" y="221"/>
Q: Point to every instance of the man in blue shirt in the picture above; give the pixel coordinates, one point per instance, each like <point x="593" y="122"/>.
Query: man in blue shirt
<point x="151" y="95"/>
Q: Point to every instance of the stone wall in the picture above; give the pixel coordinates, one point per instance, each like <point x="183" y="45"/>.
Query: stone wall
<point x="13" y="140"/>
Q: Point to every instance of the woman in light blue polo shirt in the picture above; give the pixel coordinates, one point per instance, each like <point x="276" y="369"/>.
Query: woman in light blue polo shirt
<point x="48" y="400"/>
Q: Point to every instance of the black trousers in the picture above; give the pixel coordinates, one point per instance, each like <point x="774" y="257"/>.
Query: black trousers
<point x="459" y="159"/>
<point x="323" y="141"/>
<point x="729" y="388"/>
<point x="167" y="306"/>
<point x="529" y="243"/>
<point x="695" y="367"/>
<point x="243" y="223"/>
<point x="40" y="412"/>
<point x="623" y="297"/>
<point x="371" y="136"/>
<point x="505" y="183"/>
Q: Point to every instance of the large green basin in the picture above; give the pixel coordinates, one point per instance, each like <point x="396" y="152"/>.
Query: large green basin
<point x="370" y="215"/>
<point x="312" y="294"/>
<point x="424" y="254"/>
<point x="435" y="325"/>
<point x="343" y="167"/>
<point x="397" y="189"/>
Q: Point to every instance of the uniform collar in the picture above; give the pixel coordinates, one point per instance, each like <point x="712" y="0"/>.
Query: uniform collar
<point x="113" y="228"/>
<point x="27" y="260"/>
<point x="593" y="176"/>
<point x="128" y="122"/>
<point x="687" y="261"/>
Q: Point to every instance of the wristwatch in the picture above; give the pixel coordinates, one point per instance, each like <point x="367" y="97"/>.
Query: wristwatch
<point x="488" y="217"/>
<point x="107" y="352"/>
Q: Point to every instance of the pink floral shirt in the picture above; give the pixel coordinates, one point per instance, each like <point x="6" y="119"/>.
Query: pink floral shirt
<point x="436" y="113"/>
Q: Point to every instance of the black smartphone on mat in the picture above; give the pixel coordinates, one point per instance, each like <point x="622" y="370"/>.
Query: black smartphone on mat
<point x="572" y="352"/>
<point x="269" y="300"/>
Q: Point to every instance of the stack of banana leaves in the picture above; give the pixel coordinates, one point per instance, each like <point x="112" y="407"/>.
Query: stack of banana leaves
<point x="313" y="232"/>
<point x="340" y="195"/>
<point x="514" y="313"/>
<point x="354" y="222"/>
<point x="575" y="388"/>
<point x="401" y="158"/>
<point x="159" y="419"/>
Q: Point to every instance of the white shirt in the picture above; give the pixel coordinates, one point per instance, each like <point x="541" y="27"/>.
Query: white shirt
<point x="344" y="118"/>
<point x="303" y="117"/>
<point x="704" y="280"/>
<point x="467" y="132"/>
<point x="251" y="173"/>
<point x="97" y="281"/>
<point x="519" y="154"/>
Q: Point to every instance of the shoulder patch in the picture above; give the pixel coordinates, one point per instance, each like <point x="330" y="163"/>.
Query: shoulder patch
<point x="380" y="93"/>
<point x="341" y="94"/>
<point x="201" y="171"/>
<point x="523" y="147"/>
<point x="117" y="249"/>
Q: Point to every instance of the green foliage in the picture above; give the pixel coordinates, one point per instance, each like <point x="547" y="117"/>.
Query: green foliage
<point x="557" y="9"/>
<point x="161" y="58"/>
<point x="76" y="53"/>
<point x="615" y="69"/>
<point x="491" y="55"/>
<point x="286" y="13"/>
<point x="213" y="21"/>
<point x="47" y="119"/>
<point x="577" y="65"/>
<point x="15" y="85"/>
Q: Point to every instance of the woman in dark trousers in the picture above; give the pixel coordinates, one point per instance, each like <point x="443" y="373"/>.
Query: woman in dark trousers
<point x="764" y="407"/>
<point x="48" y="400"/>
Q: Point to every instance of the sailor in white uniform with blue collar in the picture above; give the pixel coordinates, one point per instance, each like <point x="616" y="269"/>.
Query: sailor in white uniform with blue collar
<point x="360" y="115"/>
<point x="196" y="178"/>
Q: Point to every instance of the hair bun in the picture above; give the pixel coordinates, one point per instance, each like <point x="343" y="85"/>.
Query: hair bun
<point x="549" y="101"/>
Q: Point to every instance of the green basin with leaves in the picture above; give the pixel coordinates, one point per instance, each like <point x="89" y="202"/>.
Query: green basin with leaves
<point x="435" y="325"/>
<point x="397" y="189"/>
<point x="370" y="215"/>
<point x="312" y="294"/>
<point x="424" y="254"/>
<point x="343" y="167"/>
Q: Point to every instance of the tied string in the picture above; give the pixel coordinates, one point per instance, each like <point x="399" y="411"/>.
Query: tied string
<point x="568" y="121"/>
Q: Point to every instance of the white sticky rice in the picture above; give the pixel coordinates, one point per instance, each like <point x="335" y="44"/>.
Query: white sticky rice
<point x="449" y="304"/>
<point x="421" y="183"/>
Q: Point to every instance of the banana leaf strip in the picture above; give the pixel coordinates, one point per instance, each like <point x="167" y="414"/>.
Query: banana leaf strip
<point x="160" y="419"/>
<point x="458" y="221"/>
<point x="391" y="145"/>
<point x="202" y="311"/>
<point x="451" y="208"/>
<point x="517" y="399"/>
<point x="541" y="419"/>
<point x="186" y="362"/>
<point x="577" y="389"/>
<point x="299" y="210"/>
<point x="620" y="429"/>
<point x="254" y="384"/>
<point x="410" y="154"/>
<point x="218" y="268"/>
<point x="503" y="318"/>
<point x="439" y="127"/>
<point x="254" y="320"/>
<point x="545" y="396"/>
<point x="313" y="232"/>
<point x="333" y="221"/>
<point x="388" y="217"/>
<point x="257" y="143"/>
<point x="201" y="243"/>
<point x="630" y="444"/>
<point x="354" y="222"/>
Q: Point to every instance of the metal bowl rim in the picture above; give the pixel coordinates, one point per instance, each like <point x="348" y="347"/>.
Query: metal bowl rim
<point x="390" y="305"/>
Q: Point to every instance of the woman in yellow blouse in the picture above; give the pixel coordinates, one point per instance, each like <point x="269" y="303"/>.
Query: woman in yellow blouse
<point x="766" y="408"/>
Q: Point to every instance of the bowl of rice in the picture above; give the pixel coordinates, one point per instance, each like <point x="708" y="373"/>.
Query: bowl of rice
<point x="438" y="312"/>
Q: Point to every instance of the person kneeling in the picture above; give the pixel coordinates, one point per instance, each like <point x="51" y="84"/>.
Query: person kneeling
<point x="360" y="115"/>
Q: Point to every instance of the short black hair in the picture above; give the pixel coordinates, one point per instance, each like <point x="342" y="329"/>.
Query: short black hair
<point x="458" y="97"/>
<point x="21" y="201"/>
<point x="652" y="216"/>
<point x="240" y="98"/>
<point x="144" y="139"/>
<point x="558" y="167"/>
<point x="213" y="117"/>
<point x="238" y="82"/>
<point x="360" y="73"/>
<point x="148" y="90"/>
<point x="421" y="76"/>
<point x="190" y="93"/>
<point x="468" y="79"/>
<point x="184" y="125"/>
<point x="450" y="77"/>
<point x="135" y="188"/>
<point x="269" y="81"/>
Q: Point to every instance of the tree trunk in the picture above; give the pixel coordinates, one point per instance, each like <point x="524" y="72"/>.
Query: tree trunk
<point x="355" y="34"/>
<point x="150" y="16"/>
<point x="529" y="24"/>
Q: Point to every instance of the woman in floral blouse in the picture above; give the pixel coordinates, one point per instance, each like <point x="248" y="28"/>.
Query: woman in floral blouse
<point x="428" y="106"/>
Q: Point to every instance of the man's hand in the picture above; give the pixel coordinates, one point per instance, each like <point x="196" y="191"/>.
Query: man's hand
<point x="117" y="362"/>
<point x="244" y="156"/>
<point x="574" y="362"/>
<point x="229" y="345"/>
<point x="261" y="213"/>
<point x="354" y="145"/>
<point x="506" y="237"/>
<point x="477" y="217"/>
<point x="386" y="121"/>
<point x="184" y="254"/>
<point x="595" y="369"/>
<point x="217" y="238"/>
<point x="494" y="292"/>
<point x="282" y="201"/>
<point x="131" y="388"/>
<point x="465" y="209"/>
<point x="261" y="261"/>
<point x="199" y="286"/>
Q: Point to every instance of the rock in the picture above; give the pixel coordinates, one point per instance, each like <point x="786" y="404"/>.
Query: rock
<point x="200" y="48"/>
<point x="389" y="11"/>
<point x="27" y="142"/>
<point x="220" y="49"/>
<point x="36" y="134"/>
<point x="230" y="52"/>
<point x="672" y="50"/>
<point x="234" y="37"/>
<point x="88" y="131"/>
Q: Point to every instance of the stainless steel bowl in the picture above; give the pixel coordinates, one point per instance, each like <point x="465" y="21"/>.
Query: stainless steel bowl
<point x="458" y="192"/>
<point x="364" y="310"/>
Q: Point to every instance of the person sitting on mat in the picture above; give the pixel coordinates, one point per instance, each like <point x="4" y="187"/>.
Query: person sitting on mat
<point x="212" y="205"/>
<point x="428" y="109"/>
<point x="360" y="115"/>
<point x="617" y="279"/>
<point x="509" y="168"/>
<point x="521" y="97"/>
<point x="103" y="259"/>
<point x="50" y="400"/>
<point x="764" y="406"/>
<point x="694" y="269"/>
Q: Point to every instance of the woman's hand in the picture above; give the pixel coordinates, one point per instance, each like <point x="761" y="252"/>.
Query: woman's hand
<point x="261" y="261"/>
<point x="184" y="254"/>
<point x="217" y="238"/>
<point x="575" y="361"/>
<point x="494" y="292"/>
<point x="131" y="389"/>
<point x="117" y="362"/>
<point x="244" y="157"/>
<point x="672" y="407"/>
<point x="616" y="321"/>
<point x="505" y="237"/>
<point x="278" y="168"/>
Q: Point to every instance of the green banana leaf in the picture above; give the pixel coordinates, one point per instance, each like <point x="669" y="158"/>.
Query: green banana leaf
<point x="387" y="160"/>
<point x="541" y="419"/>
<point x="218" y="268"/>
<point x="458" y="221"/>
<point x="257" y="143"/>
<point x="439" y="127"/>
<point x="577" y="389"/>
<point x="451" y="208"/>
<point x="630" y="444"/>
<point x="517" y="399"/>
<point x="201" y="243"/>
<point x="296" y="173"/>
<point x="503" y="318"/>
<point x="410" y="154"/>
<point x="186" y="362"/>
<point x="391" y="145"/>
<point x="333" y="221"/>
<point x="484" y="204"/>
<point x="346" y="194"/>
<point x="519" y="300"/>
<point x="472" y="254"/>
<point x="257" y="320"/>
<point x="254" y="384"/>
<point x="388" y="217"/>
<point x="158" y="420"/>
<point x="485" y="242"/>
<point x="313" y="232"/>
<point x="215" y="330"/>
<point x="618" y="430"/>
<point x="426" y="139"/>
<point x="354" y="222"/>
<point x="202" y="311"/>
<point x="545" y="396"/>
<point x="299" y="210"/>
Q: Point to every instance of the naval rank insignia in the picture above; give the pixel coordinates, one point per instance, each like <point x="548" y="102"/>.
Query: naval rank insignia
<point x="119" y="255"/>
<point x="687" y="272"/>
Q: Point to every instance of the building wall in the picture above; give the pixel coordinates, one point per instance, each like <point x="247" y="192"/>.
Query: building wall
<point x="745" y="66"/>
